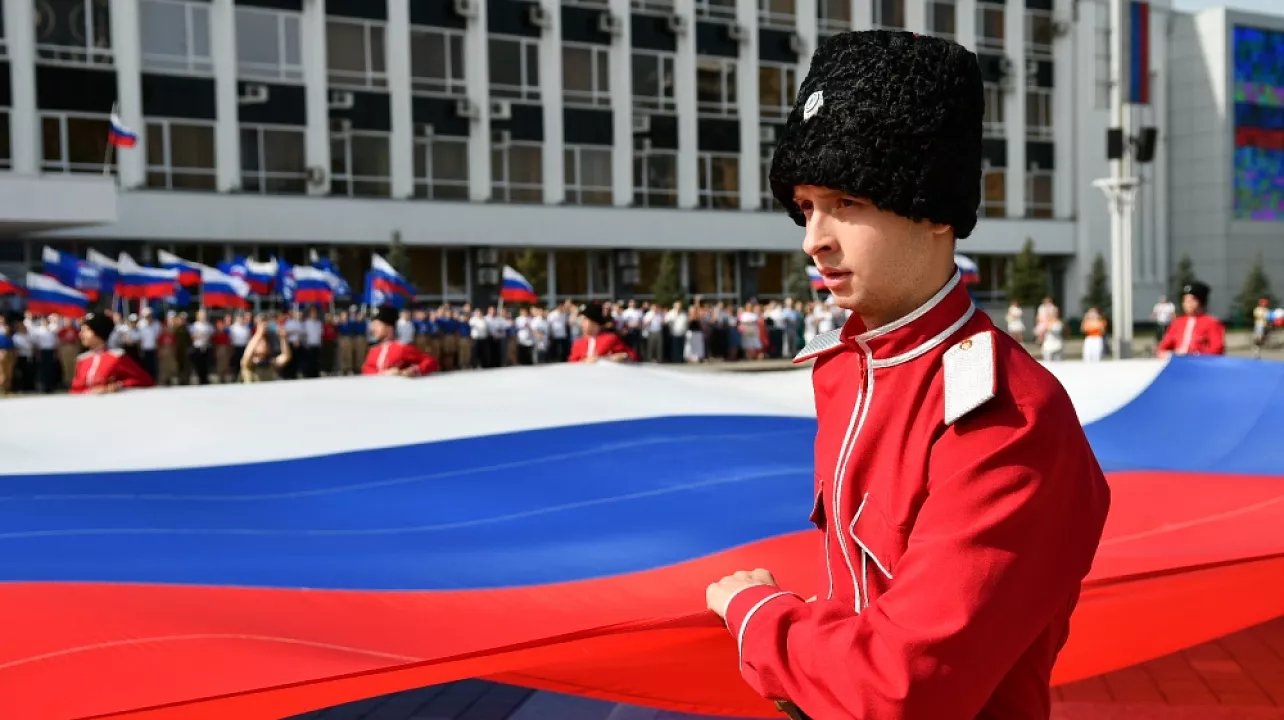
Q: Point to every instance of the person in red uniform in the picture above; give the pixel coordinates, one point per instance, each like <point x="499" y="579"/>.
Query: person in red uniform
<point x="599" y="340"/>
<point x="1196" y="332"/>
<point x="99" y="370"/>
<point x="957" y="501"/>
<point x="390" y="357"/>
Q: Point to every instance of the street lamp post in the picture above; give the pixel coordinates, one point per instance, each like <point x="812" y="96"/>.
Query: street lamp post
<point x="1121" y="194"/>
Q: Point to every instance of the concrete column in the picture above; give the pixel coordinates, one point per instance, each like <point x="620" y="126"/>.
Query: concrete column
<point x="1064" y="111"/>
<point x="402" y="143"/>
<point x="965" y="23"/>
<point x="24" y="122"/>
<point x="862" y="14"/>
<point x="227" y="130"/>
<point x="806" y="29"/>
<point x="317" y="91"/>
<point x="550" y="89"/>
<point x="747" y="106"/>
<point x="127" y="50"/>
<point x="1014" y="107"/>
<point x="684" y="85"/>
<point x="622" y="106"/>
<point x="916" y="16"/>
<point x="477" y="81"/>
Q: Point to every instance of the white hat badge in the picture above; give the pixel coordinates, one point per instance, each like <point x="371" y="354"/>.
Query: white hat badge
<point x="814" y="103"/>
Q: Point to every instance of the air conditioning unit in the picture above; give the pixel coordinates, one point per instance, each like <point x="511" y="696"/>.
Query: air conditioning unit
<point x="539" y="17"/>
<point x="488" y="256"/>
<point x="466" y="8"/>
<point x="641" y="123"/>
<point x="767" y="134"/>
<point x="501" y="110"/>
<point x="424" y="130"/>
<point x="341" y="100"/>
<point x="488" y="276"/>
<point x="610" y="24"/>
<point x="797" y="45"/>
<point x="340" y="125"/>
<point x="466" y="109"/>
<point x="1061" y="28"/>
<point x="316" y="175"/>
<point x="737" y="33"/>
<point x="677" y="24"/>
<point x="253" y="95"/>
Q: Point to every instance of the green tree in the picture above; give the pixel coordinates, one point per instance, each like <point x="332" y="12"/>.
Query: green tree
<point x="1184" y="275"/>
<point x="397" y="257"/>
<point x="1256" y="286"/>
<point x="666" y="289"/>
<point x="533" y="267"/>
<point x="798" y="285"/>
<point x="1098" y="288"/>
<point x="1027" y="279"/>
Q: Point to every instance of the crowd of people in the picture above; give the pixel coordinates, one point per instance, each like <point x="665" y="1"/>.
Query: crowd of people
<point x="38" y="354"/>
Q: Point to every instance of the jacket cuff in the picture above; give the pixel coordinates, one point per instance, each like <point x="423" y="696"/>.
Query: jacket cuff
<point x="747" y="603"/>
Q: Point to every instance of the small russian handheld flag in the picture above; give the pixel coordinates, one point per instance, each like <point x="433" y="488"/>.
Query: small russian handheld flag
<point x="47" y="296"/>
<point x="516" y="288"/>
<point x="220" y="290"/>
<point x="119" y="135"/>
<point x="813" y="275"/>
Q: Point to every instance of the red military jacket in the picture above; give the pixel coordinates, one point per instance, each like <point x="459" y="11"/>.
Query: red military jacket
<point x="97" y="368"/>
<point x="1195" y="335"/>
<point x="601" y="345"/>
<point x="960" y="506"/>
<point x="392" y="354"/>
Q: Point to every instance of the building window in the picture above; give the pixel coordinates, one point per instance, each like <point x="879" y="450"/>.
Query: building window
<point x="1101" y="53"/>
<point x="1040" y="32"/>
<point x="595" y="4"/>
<point x="889" y="14"/>
<point x="74" y="32"/>
<point x="769" y="201"/>
<point x="989" y="26"/>
<point x="437" y="61"/>
<point x="655" y="177"/>
<point x="514" y="68"/>
<point x="777" y="90"/>
<point x="653" y="6"/>
<point x="175" y="37"/>
<point x="653" y="81"/>
<point x="992" y="122"/>
<point x="778" y="13"/>
<point x="180" y="155"/>
<point x="716" y="86"/>
<point x="73" y="142"/>
<point x="273" y="160"/>
<point x="716" y="9"/>
<point x="588" y="175"/>
<point x="719" y="181"/>
<point x="586" y="75"/>
<point x="441" y="168"/>
<point x="359" y="163"/>
<point x="1038" y="194"/>
<point x="1038" y="113"/>
<point x="833" y="16"/>
<point x="268" y="45"/>
<point x="355" y="54"/>
<point x="941" y="18"/>
<point x="994" y="192"/>
<point x="6" y="151"/>
<point x="517" y="170"/>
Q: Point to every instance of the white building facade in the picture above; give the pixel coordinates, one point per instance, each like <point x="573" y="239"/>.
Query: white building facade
<point x="597" y="132"/>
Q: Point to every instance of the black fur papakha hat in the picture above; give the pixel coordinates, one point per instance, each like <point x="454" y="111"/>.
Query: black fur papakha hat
<point x="892" y="117"/>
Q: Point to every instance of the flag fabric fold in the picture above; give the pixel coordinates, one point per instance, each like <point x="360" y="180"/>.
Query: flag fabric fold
<point x="515" y="288"/>
<point x="189" y="273"/>
<point x="72" y="271"/>
<point x="47" y="296"/>
<point x="220" y="290"/>
<point x="119" y="135"/>
<point x="144" y="283"/>
<point x="814" y="277"/>
<point x="968" y="269"/>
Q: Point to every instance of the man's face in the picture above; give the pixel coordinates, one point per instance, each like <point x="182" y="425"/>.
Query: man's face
<point x="1190" y="304"/>
<point x="871" y="260"/>
<point x="382" y="330"/>
<point x="88" y="338"/>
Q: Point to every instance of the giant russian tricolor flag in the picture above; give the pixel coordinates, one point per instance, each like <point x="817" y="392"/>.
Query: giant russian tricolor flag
<point x="47" y="296"/>
<point x="189" y="273"/>
<point x="1139" y="52"/>
<point x="220" y="290"/>
<point x="515" y="288"/>
<point x="311" y="286"/>
<point x="144" y="283"/>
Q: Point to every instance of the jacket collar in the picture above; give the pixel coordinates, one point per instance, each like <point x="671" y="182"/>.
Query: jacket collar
<point x="917" y="333"/>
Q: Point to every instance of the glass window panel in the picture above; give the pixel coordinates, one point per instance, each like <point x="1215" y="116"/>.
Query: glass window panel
<point x="345" y="46"/>
<point x="163" y="28"/>
<point x="525" y="164"/>
<point x="257" y="37"/>
<point x="505" y="62"/>
<point x="155" y="144"/>
<point x="450" y="160"/>
<point x="577" y="69"/>
<point x="191" y="146"/>
<point x="86" y="141"/>
<point x="572" y="273"/>
<point x="457" y="272"/>
<point x="51" y="139"/>
<point x="283" y="151"/>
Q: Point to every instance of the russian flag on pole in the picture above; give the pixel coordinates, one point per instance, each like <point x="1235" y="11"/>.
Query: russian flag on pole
<point x="515" y="288"/>
<point x="1139" y="52"/>
<point x="189" y="273"/>
<point x="311" y="286"/>
<point x="72" y="271"/>
<point x="8" y="287"/>
<point x="261" y="276"/>
<point x="814" y="277"/>
<point x="144" y="283"/>
<point x="120" y="135"/>
<point x="108" y="269"/>
<point x="384" y="278"/>
<point x="220" y="290"/>
<point x="47" y="296"/>
<point x="968" y="269"/>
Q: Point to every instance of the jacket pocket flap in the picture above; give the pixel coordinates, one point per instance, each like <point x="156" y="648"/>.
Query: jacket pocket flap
<point x="818" y="510"/>
<point x="880" y="540"/>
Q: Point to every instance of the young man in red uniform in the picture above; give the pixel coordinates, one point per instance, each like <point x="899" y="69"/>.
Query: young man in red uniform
<point x="1196" y="332"/>
<point x="390" y="357"/>
<point x="958" y="503"/>
<point x="599" y="341"/>
<point x="100" y="371"/>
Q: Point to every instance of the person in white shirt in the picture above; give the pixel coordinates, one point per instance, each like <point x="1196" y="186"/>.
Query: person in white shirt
<point x="405" y="328"/>
<point x="679" y="323"/>
<point x="496" y="339"/>
<point x="559" y="334"/>
<point x="202" y="334"/>
<point x="1042" y="316"/>
<point x="653" y="333"/>
<point x="238" y="334"/>
<point x="148" y="332"/>
<point x="479" y="334"/>
<point x="313" y="332"/>
<point x="24" y="368"/>
<point x="1163" y="314"/>
<point x="525" y="338"/>
<point x="45" y="339"/>
<point x="540" y="329"/>
<point x="1052" y="342"/>
<point x="1016" y="325"/>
